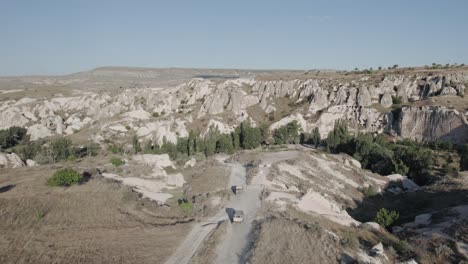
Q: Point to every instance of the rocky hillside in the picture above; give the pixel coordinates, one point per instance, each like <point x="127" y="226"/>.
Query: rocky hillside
<point x="400" y="103"/>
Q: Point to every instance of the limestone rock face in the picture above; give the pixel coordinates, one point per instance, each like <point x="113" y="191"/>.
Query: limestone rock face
<point x="431" y="123"/>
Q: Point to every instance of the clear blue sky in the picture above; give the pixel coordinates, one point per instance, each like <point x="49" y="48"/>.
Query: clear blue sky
<point x="65" y="36"/>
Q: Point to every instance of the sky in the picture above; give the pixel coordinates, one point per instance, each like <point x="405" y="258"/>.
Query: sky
<point x="60" y="37"/>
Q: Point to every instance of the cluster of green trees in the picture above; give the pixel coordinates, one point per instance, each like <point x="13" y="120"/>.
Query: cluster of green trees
<point x="244" y="136"/>
<point x="43" y="151"/>
<point x="12" y="136"/>
<point x="56" y="150"/>
<point x="406" y="157"/>
<point x="447" y="65"/>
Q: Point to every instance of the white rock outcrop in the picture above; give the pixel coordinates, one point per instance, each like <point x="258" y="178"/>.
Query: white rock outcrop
<point x="10" y="161"/>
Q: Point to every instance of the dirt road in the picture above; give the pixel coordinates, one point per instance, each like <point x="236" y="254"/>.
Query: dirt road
<point x="236" y="241"/>
<point x="232" y="247"/>
<point x="201" y="230"/>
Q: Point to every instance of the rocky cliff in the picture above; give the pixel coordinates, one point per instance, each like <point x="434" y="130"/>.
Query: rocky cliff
<point x="165" y="113"/>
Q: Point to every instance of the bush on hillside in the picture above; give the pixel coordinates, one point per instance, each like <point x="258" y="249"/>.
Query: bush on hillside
<point x="117" y="162"/>
<point x="64" y="177"/>
<point x="386" y="218"/>
<point x="396" y="100"/>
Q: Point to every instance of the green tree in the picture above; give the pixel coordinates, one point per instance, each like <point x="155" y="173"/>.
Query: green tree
<point x="169" y="148"/>
<point x="339" y="136"/>
<point x="224" y="144"/>
<point x="265" y="132"/>
<point x="417" y="158"/>
<point x="288" y="134"/>
<point x="251" y="137"/>
<point x="192" y="143"/>
<point x="236" y="134"/>
<point x="183" y="145"/>
<point x="12" y="136"/>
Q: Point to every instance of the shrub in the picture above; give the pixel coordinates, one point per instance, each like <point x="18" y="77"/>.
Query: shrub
<point x="349" y="240"/>
<point x="396" y="100"/>
<point x="186" y="206"/>
<point x="116" y="149"/>
<point x="60" y="149"/>
<point x="450" y="170"/>
<point x="29" y="150"/>
<point x="155" y="114"/>
<point x="64" y="177"/>
<point x="386" y="218"/>
<point x="369" y="191"/>
<point x="117" y="162"/>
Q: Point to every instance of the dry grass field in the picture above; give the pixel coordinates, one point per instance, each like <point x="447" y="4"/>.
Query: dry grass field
<point x="98" y="221"/>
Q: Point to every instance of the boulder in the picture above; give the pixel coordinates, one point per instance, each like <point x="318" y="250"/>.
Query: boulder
<point x="176" y="180"/>
<point x="190" y="163"/>
<point x="378" y="250"/>
<point x="422" y="219"/>
<point x="407" y="183"/>
<point x="162" y="160"/>
<point x="10" y="161"/>
<point x="371" y="226"/>
<point x="364" y="97"/>
<point x="30" y="163"/>
<point x="38" y="131"/>
<point x="386" y="100"/>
